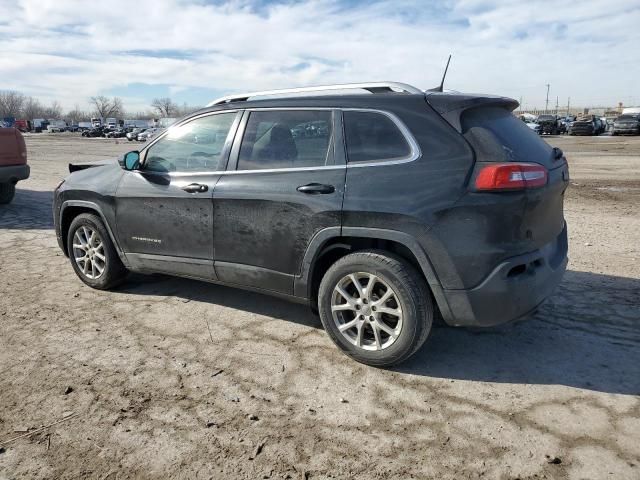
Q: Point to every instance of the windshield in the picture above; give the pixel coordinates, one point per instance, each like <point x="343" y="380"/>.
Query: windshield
<point x="627" y="117"/>
<point x="546" y="117"/>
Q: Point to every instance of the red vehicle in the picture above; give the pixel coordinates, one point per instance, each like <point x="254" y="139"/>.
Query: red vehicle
<point x="23" y="125"/>
<point x="13" y="162"/>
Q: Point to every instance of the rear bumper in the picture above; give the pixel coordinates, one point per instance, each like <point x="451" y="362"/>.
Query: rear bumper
<point x="13" y="173"/>
<point x="514" y="289"/>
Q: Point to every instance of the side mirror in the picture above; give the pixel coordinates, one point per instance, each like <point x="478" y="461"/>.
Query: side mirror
<point x="131" y="160"/>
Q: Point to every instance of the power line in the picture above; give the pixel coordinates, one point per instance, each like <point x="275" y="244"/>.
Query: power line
<point x="546" y="104"/>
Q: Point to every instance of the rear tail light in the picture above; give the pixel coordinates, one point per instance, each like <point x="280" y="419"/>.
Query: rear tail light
<point x="511" y="176"/>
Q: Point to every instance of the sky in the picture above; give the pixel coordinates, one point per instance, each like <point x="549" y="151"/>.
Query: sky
<point x="195" y="51"/>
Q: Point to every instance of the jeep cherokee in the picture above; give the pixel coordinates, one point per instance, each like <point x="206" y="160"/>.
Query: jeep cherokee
<point x="380" y="205"/>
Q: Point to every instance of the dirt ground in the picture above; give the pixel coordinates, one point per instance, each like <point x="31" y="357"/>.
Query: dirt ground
<point x="174" y="378"/>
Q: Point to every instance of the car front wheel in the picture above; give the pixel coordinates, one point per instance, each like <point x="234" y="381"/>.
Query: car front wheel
<point x="92" y="254"/>
<point x="376" y="307"/>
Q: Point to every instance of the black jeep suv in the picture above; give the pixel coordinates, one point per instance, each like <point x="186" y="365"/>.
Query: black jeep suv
<point x="380" y="205"/>
<point x="550" y="124"/>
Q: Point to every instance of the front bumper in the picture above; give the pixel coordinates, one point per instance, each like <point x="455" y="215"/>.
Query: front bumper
<point x="514" y="289"/>
<point x="632" y="130"/>
<point x="14" y="173"/>
<point x="581" y="131"/>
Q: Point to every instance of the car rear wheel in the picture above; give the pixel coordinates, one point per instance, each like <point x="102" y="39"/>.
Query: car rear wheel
<point x="92" y="254"/>
<point x="375" y="307"/>
<point x="7" y="191"/>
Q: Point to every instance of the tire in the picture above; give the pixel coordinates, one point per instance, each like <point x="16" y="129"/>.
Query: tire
<point x="7" y="192"/>
<point x="113" y="271"/>
<point x="410" y="297"/>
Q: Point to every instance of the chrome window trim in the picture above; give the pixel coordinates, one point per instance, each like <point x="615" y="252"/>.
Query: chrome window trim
<point x="414" y="154"/>
<point x="414" y="148"/>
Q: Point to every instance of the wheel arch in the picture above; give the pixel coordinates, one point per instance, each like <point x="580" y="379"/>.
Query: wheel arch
<point x="71" y="209"/>
<point x="333" y="243"/>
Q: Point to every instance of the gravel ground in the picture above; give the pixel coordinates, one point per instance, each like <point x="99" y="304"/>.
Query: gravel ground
<point x="174" y="378"/>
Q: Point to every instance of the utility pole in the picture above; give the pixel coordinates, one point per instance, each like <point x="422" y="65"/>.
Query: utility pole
<point x="568" y="105"/>
<point x="546" y="105"/>
<point x="556" y="106"/>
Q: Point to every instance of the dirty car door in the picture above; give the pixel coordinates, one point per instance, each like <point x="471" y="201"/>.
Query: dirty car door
<point x="285" y="184"/>
<point x="164" y="211"/>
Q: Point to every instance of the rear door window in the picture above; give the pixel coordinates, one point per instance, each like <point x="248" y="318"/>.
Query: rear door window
<point x="372" y="136"/>
<point x="286" y="139"/>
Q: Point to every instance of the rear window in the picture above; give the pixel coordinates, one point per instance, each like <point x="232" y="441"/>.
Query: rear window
<point x="372" y="136"/>
<point x="497" y="135"/>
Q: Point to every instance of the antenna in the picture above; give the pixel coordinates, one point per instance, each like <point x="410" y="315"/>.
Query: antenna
<point x="440" y="88"/>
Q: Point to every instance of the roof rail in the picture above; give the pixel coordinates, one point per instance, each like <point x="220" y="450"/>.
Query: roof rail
<point x="372" y="87"/>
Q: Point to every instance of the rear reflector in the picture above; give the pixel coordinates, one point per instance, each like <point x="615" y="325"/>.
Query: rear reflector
<point x="511" y="176"/>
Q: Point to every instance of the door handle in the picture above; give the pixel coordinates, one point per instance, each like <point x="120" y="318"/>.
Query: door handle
<point x="195" y="188"/>
<point x="316" y="188"/>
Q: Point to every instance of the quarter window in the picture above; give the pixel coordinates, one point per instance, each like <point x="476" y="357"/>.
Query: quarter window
<point x="286" y="139"/>
<point x="372" y="136"/>
<point x="196" y="146"/>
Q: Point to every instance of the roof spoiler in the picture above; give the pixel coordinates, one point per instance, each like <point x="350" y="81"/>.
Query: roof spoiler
<point x="452" y="106"/>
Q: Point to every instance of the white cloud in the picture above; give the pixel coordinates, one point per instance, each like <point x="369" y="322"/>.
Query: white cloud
<point x="70" y="50"/>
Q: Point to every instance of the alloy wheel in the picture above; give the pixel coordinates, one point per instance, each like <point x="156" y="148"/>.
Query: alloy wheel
<point x="88" y="252"/>
<point x="366" y="310"/>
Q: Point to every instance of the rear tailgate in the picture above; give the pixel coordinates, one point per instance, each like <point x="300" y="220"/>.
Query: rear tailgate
<point x="489" y="227"/>
<point x="13" y="150"/>
<point x="497" y="136"/>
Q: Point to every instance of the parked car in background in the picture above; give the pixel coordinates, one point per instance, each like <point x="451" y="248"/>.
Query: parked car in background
<point x="56" y="128"/>
<point x="147" y="134"/>
<point x="39" y="125"/>
<point x="13" y="162"/>
<point x="550" y="124"/>
<point x="379" y="211"/>
<point x="567" y="121"/>
<point x="117" y="132"/>
<point x="133" y="134"/>
<point x="628" y="124"/>
<point x="94" y="132"/>
<point x="23" y="125"/>
<point x="535" y="126"/>
<point x="586" y="125"/>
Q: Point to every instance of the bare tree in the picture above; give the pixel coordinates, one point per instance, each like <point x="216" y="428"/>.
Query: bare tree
<point x="11" y="103"/>
<point x="118" y="108"/>
<point x="54" y="111"/>
<point x="32" y="108"/>
<point x="164" y="106"/>
<point x="185" y="110"/>
<point x="76" y="115"/>
<point x="107" y="107"/>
